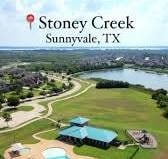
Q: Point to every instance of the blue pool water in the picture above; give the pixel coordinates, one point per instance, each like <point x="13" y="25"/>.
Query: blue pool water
<point x="55" y="153"/>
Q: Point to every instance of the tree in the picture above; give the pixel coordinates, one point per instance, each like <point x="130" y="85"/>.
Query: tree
<point x="1" y="106"/>
<point x="17" y="86"/>
<point x="161" y="91"/>
<point x="71" y="85"/>
<point x="111" y="84"/>
<point x="165" y="114"/>
<point x="7" y="117"/>
<point x="13" y="101"/>
<point x="154" y="96"/>
<point x="58" y="124"/>
<point x="45" y="79"/>
<point x="51" y="84"/>
<point x="69" y="78"/>
<point x="43" y="93"/>
<point x="22" y="96"/>
<point x="55" y="89"/>
<point x="161" y="97"/>
<point x="158" y="94"/>
<point x="163" y="104"/>
<point x="64" y="86"/>
<point x="2" y="98"/>
<point x="52" y="80"/>
<point x="31" y="88"/>
<point x="29" y="95"/>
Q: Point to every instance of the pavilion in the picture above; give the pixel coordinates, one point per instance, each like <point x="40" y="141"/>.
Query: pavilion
<point x="80" y="132"/>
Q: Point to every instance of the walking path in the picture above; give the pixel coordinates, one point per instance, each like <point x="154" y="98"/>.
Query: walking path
<point x="37" y="149"/>
<point x="36" y="104"/>
<point x="21" y="117"/>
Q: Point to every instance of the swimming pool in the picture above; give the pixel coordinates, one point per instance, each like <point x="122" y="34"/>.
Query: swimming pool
<point x="55" y="153"/>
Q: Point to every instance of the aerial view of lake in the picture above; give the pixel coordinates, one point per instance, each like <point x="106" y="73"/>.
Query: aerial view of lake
<point x="147" y="79"/>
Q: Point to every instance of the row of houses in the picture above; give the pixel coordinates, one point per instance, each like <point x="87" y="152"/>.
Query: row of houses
<point x="25" y="78"/>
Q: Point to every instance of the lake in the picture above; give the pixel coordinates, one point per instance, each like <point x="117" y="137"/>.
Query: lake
<point x="147" y="79"/>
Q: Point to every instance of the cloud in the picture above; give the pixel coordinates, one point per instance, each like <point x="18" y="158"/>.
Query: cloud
<point x="150" y="18"/>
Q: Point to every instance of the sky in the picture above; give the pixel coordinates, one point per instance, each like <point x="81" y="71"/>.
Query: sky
<point x="150" y="18"/>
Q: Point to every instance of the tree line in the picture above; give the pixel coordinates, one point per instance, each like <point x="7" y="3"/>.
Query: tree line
<point x="69" y="68"/>
<point x="161" y="98"/>
<point x="111" y="84"/>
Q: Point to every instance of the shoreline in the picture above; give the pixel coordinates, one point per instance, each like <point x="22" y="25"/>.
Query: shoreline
<point x="150" y="70"/>
<point x="147" y="70"/>
<point x="138" y="85"/>
<point x="124" y="67"/>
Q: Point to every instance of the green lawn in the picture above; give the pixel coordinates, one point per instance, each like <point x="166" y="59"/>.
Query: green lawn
<point x="104" y="154"/>
<point x="24" y="135"/>
<point x="48" y="87"/>
<point x="36" y="91"/>
<point x="113" y="109"/>
<point x="51" y="135"/>
<point x="117" y="109"/>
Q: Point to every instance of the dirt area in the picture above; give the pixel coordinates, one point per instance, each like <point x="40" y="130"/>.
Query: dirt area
<point x="37" y="149"/>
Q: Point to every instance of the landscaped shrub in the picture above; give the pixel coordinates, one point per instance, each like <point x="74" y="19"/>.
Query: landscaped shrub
<point x="22" y="96"/>
<point x="43" y="93"/>
<point x="2" y="98"/>
<point x="30" y="94"/>
<point x="13" y="100"/>
<point x="55" y="89"/>
<point x="52" y="80"/>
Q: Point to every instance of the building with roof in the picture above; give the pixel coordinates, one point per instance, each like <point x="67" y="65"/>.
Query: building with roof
<point x="80" y="132"/>
<point x="79" y="121"/>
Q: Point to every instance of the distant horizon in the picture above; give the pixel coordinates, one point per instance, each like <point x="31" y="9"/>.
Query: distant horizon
<point x="83" y="48"/>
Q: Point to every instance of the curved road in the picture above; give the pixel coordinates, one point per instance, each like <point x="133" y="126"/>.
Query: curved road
<point x="77" y="86"/>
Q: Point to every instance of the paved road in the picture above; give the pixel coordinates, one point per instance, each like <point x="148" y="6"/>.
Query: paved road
<point x="21" y="117"/>
<point x="76" y="87"/>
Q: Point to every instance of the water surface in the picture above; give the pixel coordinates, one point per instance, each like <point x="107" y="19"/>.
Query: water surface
<point x="147" y="79"/>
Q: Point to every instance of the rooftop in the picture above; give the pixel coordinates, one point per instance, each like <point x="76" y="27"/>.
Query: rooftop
<point x="79" y="120"/>
<point x="90" y="133"/>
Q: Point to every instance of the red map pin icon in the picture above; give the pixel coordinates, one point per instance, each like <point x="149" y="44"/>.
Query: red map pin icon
<point x="30" y="19"/>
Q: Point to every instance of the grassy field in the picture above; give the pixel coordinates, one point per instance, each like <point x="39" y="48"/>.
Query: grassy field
<point x="113" y="109"/>
<point x="6" y="139"/>
<point x="51" y="135"/>
<point x="24" y="135"/>
<point x="117" y="109"/>
<point x="47" y="86"/>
